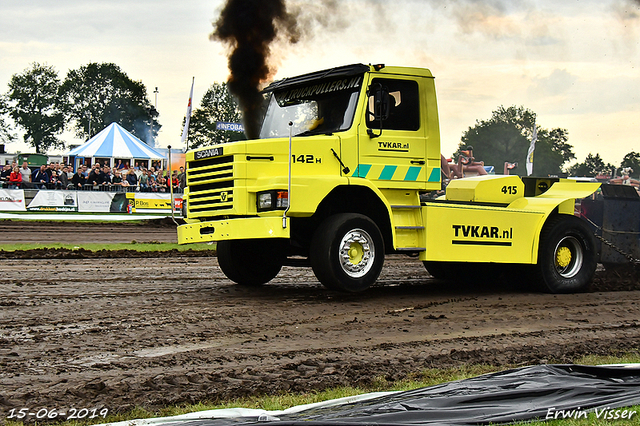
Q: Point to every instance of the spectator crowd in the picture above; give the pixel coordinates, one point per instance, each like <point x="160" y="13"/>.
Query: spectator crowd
<point x="98" y="178"/>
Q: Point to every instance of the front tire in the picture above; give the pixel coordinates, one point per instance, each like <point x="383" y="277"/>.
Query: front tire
<point x="347" y="252"/>
<point x="567" y="257"/>
<point x="251" y="262"/>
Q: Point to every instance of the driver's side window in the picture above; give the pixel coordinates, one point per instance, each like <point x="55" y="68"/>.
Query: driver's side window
<point x="403" y="105"/>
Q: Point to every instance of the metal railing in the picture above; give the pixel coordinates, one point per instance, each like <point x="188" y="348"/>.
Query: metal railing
<point x="90" y="187"/>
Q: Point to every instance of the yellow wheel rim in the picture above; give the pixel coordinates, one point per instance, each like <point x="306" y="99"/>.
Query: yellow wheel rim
<point x="356" y="253"/>
<point x="563" y="257"/>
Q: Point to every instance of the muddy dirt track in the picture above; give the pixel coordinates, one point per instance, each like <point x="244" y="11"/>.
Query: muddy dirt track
<point x="118" y="332"/>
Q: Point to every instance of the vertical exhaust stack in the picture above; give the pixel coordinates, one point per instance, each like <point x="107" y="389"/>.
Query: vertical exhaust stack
<point x="249" y="27"/>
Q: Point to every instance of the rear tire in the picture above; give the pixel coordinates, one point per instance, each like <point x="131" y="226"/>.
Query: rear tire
<point x="251" y="262"/>
<point x="347" y="252"/>
<point x="567" y="257"/>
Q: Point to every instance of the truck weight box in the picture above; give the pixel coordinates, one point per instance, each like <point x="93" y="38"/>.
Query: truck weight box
<point x="615" y="216"/>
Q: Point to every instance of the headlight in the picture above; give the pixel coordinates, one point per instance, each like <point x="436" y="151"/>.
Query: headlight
<point x="272" y="200"/>
<point x="265" y="201"/>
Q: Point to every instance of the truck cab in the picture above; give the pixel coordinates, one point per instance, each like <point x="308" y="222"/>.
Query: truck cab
<point x="335" y="179"/>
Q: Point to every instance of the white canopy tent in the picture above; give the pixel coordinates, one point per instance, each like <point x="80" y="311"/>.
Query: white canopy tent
<point x="115" y="144"/>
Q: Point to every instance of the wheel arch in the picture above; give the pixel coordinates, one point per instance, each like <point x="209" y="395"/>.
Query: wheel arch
<point x="347" y="199"/>
<point x="574" y="273"/>
<point x="560" y="199"/>
<point x="552" y="208"/>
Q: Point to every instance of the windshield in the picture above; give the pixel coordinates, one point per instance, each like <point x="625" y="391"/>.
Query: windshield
<point x="322" y="108"/>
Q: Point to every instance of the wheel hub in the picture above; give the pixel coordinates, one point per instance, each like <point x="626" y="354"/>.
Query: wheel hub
<point x="569" y="257"/>
<point x="356" y="253"/>
<point x="563" y="257"/>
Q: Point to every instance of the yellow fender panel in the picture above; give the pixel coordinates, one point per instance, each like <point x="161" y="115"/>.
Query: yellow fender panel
<point x="472" y="233"/>
<point x="560" y="192"/>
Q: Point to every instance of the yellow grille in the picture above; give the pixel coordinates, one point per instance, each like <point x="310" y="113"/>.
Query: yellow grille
<point x="210" y="183"/>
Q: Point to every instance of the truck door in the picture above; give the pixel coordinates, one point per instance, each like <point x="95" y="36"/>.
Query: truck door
<point x="391" y="135"/>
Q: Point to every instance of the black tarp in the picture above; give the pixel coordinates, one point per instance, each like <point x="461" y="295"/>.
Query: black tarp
<point x="526" y="393"/>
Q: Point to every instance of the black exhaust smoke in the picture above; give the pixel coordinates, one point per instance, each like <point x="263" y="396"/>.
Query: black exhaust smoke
<point x="249" y="27"/>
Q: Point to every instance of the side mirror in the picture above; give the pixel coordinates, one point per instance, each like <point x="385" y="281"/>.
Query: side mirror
<point x="379" y="106"/>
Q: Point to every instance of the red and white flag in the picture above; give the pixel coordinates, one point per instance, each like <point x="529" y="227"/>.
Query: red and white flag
<point x="185" y="131"/>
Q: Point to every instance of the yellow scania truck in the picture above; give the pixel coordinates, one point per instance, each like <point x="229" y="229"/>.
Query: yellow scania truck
<point x="337" y="178"/>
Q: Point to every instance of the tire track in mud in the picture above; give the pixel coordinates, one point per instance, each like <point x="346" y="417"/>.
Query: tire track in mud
<point x="162" y="230"/>
<point x="122" y="332"/>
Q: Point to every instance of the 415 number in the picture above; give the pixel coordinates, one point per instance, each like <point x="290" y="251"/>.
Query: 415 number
<point x="510" y="189"/>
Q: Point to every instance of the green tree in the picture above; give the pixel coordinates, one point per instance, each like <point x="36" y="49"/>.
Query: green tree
<point x="6" y="129"/>
<point x="632" y="159"/>
<point x="506" y="137"/>
<point x="35" y="105"/>
<point x="502" y="138"/>
<point x="217" y="105"/>
<point x="97" y="95"/>
<point x="592" y="166"/>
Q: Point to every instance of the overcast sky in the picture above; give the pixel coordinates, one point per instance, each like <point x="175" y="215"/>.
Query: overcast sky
<point x="575" y="63"/>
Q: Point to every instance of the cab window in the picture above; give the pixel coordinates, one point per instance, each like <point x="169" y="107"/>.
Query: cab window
<point x="403" y="105"/>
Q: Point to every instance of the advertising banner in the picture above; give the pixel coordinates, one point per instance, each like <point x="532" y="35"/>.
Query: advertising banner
<point x="177" y="202"/>
<point x="54" y="201"/>
<point x="95" y="201"/>
<point x="12" y="200"/>
<point x="146" y="202"/>
<point x="90" y="201"/>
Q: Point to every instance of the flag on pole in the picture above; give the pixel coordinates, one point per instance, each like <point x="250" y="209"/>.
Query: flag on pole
<point x="532" y="148"/>
<point x="185" y="131"/>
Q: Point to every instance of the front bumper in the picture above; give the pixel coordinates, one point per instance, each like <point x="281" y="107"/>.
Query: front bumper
<point x="233" y="229"/>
